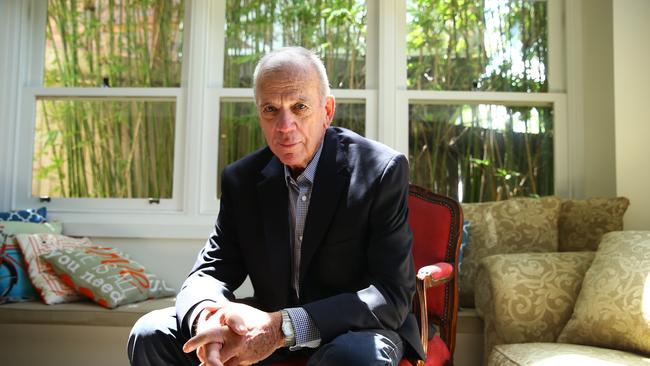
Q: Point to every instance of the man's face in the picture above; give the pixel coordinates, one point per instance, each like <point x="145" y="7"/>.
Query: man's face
<point x="292" y="114"/>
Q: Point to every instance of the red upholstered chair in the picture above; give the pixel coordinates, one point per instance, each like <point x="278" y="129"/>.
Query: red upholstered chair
<point x="436" y="222"/>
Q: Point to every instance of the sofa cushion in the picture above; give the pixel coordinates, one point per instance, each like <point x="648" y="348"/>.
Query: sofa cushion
<point x="518" y="225"/>
<point x="560" y="354"/>
<point x="13" y="228"/>
<point x="14" y="281"/>
<point x="612" y="309"/>
<point x="34" y="215"/>
<point x="106" y="275"/>
<point x="528" y="297"/>
<point x="582" y="223"/>
<point x="49" y="286"/>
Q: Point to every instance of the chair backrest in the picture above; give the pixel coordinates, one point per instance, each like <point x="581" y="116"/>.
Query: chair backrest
<point x="436" y="222"/>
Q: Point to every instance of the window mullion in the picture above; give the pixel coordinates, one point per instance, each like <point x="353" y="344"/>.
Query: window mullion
<point x="33" y="34"/>
<point x="372" y="67"/>
<point x="38" y="25"/>
<point x="393" y="123"/>
<point x="213" y="89"/>
<point x="12" y="29"/>
<point x="556" y="47"/>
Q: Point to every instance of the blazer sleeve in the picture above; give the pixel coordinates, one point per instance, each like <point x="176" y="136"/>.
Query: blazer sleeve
<point x="218" y="269"/>
<point x="386" y="302"/>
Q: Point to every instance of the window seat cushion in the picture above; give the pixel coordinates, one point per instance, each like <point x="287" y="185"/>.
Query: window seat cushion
<point x="561" y="354"/>
<point x="79" y="313"/>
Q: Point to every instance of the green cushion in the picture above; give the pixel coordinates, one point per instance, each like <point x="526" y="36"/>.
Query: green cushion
<point x="106" y="275"/>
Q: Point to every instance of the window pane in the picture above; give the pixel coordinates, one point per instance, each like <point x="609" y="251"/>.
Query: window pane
<point x="240" y="134"/>
<point x="482" y="152"/>
<point x="121" y="43"/>
<point x="104" y="148"/>
<point x="497" y="45"/>
<point x="335" y="29"/>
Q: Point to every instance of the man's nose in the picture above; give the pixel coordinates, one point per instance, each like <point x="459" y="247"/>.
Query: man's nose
<point x="286" y="121"/>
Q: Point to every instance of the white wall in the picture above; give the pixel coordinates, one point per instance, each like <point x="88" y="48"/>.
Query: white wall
<point x="598" y="92"/>
<point x="632" y="99"/>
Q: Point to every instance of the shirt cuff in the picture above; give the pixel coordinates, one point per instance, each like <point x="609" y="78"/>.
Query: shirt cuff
<point x="307" y="334"/>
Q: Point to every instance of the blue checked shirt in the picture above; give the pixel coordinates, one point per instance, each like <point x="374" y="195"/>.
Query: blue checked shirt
<point x="307" y="335"/>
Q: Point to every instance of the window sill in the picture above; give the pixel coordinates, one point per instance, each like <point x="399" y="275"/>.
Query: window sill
<point x="167" y="226"/>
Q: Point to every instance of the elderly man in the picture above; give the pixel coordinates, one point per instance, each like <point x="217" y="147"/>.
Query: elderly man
<point x="318" y="221"/>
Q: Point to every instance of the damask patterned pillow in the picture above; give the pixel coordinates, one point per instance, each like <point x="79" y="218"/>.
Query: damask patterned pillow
<point x="520" y="225"/>
<point x="47" y="283"/>
<point x="35" y="215"/>
<point x="528" y="297"/>
<point x="106" y="275"/>
<point x="14" y="282"/>
<point x="583" y="222"/>
<point x="613" y="309"/>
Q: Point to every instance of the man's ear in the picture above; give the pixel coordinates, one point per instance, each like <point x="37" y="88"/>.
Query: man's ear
<point x="330" y="107"/>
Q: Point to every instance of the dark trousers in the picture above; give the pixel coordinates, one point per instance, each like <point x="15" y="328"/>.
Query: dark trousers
<point x="155" y="340"/>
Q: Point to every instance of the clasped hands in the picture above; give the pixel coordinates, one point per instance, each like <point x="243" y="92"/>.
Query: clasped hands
<point x="230" y="333"/>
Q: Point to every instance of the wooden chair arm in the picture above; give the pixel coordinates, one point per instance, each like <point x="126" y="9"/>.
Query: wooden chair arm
<point x="435" y="274"/>
<point x="427" y="277"/>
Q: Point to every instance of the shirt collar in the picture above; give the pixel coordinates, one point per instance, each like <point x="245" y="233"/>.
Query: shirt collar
<point x="310" y="171"/>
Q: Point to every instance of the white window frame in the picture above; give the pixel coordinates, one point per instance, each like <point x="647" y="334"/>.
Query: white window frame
<point x="192" y="210"/>
<point x="395" y="97"/>
<point x="33" y="90"/>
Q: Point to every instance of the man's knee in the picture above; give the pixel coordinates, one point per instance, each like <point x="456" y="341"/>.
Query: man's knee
<point x="359" y="348"/>
<point x="151" y="334"/>
<point x="149" y="325"/>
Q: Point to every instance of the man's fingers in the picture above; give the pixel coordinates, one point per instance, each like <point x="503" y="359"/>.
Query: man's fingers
<point x="205" y="337"/>
<point x="232" y="346"/>
<point x="235" y="361"/>
<point x="200" y="353"/>
<point x="213" y="354"/>
<point x="236" y="323"/>
<point x="194" y="343"/>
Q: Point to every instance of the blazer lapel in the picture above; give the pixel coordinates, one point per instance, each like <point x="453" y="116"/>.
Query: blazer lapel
<point x="332" y="176"/>
<point x="273" y="197"/>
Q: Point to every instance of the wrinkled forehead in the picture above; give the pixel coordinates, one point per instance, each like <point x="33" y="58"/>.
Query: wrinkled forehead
<point x="287" y="79"/>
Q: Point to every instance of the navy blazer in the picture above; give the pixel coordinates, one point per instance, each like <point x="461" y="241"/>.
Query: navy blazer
<point x="356" y="268"/>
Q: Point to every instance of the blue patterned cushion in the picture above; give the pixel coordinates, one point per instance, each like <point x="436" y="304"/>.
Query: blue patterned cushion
<point x="463" y="243"/>
<point x="29" y="215"/>
<point x="14" y="282"/>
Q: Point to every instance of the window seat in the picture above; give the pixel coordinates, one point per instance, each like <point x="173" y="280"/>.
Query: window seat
<point x="82" y="333"/>
<point x="79" y="313"/>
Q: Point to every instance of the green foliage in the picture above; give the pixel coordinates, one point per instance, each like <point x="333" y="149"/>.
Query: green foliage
<point x="114" y="148"/>
<point x="335" y="29"/>
<point x="470" y="156"/>
<point x="491" y="45"/>
<point x="498" y="45"/>
<point x="124" y="148"/>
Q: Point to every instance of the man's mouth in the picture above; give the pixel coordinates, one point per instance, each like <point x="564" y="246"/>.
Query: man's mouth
<point x="288" y="145"/>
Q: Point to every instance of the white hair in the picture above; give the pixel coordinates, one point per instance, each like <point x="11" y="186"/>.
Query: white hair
<point x="293" y="55"/>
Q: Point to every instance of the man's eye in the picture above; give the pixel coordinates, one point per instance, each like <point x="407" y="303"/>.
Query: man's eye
<point x="268" y="109"/>
<point x="300" y="106"/>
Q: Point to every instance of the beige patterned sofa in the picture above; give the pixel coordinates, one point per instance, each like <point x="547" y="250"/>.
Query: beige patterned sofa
<point x="541" y="227"/>
<point x="533" y="225"/>
<point x="568" y="308"/>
